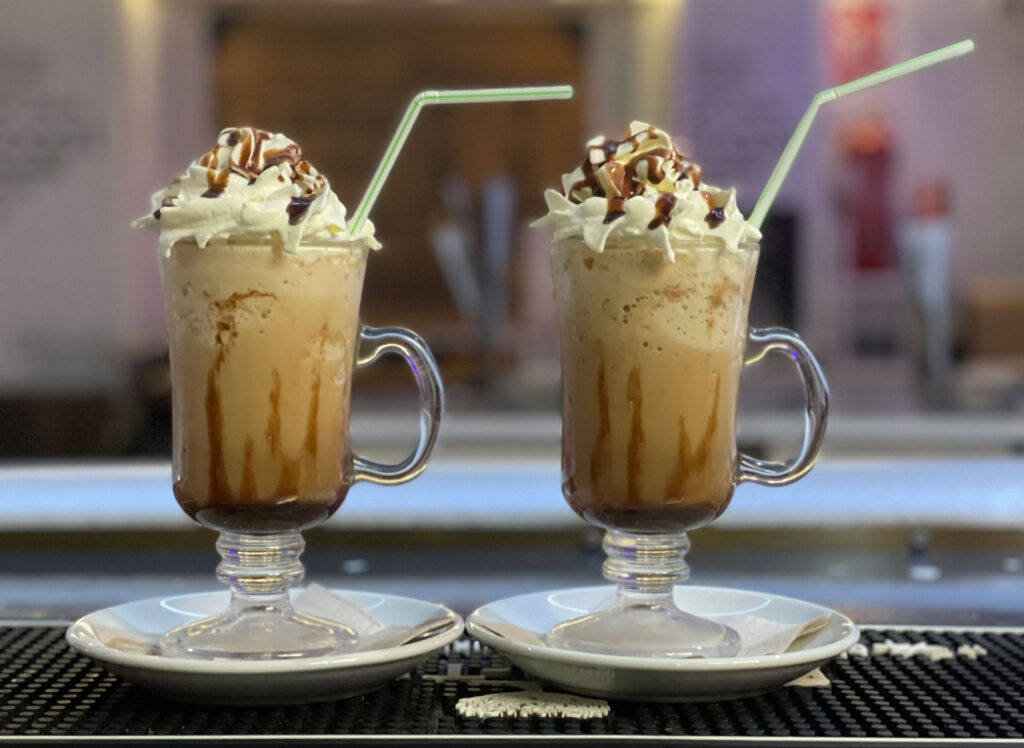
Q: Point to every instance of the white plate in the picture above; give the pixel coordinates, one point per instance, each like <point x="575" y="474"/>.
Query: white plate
<point x="123" y="639"/>
<point x="523" y="622"/>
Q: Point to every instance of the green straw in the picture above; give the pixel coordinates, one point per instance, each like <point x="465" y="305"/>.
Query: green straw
<point x="422" y="99"/>
<point x="793" y="146"/>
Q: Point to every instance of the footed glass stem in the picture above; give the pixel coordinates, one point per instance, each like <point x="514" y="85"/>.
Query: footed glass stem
<point x="260" y="622"/>
<point x="642" y="620"/>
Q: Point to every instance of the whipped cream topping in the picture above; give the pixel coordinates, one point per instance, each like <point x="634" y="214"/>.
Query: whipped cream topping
<point x="643" y="188"/>
<point x="251" y="183"/>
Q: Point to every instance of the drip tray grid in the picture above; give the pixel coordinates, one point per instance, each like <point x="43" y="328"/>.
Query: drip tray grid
<point x="49" y="693"/>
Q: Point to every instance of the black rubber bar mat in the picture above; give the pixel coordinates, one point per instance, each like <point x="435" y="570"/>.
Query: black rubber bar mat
<point x="50" y="694"/>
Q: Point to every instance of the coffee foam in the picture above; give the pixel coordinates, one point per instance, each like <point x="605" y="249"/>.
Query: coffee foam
<point x="696" y="305"/>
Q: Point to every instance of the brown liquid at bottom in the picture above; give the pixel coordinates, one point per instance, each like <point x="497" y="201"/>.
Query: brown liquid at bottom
<point x="281" y="515"/>
<point x="669" y="517"/>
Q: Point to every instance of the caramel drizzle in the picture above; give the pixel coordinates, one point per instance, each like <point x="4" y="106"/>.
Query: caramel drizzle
<point x="288" y="480"/>
<point x="634" y="449"/>
<point x="691" y="462"/>
<point x="247" y="159"/>
<point x="313" y="421"/>
<point x="625" y="180"/>
<point x="247" y="491"/>
<point x="219" y="486"/>
<point x="297" y="208"/>
<point x="274" y="419"/>
<point x="220" y="491"/>
<point x="604" y="428"/>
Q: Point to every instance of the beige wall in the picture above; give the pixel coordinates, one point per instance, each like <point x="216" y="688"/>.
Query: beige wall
<point x="103" y="100"/>
<point x="58" y="266"/>
<point x="960" y="121"/>
<point x="756" y="67"/>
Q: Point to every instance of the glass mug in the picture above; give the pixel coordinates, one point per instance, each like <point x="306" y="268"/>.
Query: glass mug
<point x="262" y="348"/>
<point x="651" y="355"/>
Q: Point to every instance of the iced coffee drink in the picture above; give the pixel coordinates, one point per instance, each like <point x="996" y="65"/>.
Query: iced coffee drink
<point x="261" y="289"/>
<point x="653" y="271"/>
<point x="262" y="281"/>
<point x="651" y="358"/>
<point x="262" y="346"/>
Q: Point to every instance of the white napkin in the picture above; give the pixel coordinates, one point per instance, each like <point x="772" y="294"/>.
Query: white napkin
<point x="319" y="601"/>
<point x="758" y="636"/>
<point x="761" y="636"/>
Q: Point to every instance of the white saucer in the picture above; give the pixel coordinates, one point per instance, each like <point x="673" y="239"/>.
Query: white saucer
<point x="123" y="640"/>
<point x="517" y="627"/>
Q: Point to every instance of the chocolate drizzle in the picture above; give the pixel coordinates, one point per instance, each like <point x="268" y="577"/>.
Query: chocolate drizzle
<point x="662" y="210"/>
<point x="606" y="174"/>
<point x="616" y="208"/>
<point x="297" y="209"/>
<point x="167" y="202"/>
<point x="715" y="217"/>
<point x="289" y="154"/>
<point x="716" y="213"/>
<point x="248" y="159"/>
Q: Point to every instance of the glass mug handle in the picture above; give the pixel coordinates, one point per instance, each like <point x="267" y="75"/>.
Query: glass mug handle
<point x="413" y="349"/>
<point x="783" y="473"/>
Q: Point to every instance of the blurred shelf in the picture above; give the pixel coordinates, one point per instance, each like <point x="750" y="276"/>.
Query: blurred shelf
<point x="775" y="433"/>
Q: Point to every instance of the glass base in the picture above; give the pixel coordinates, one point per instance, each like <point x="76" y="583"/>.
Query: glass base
<point x="646" y="629"/>
<point x="260" y="622"/>
<point x="258" y="633"/>
<point x="643" y="619"/>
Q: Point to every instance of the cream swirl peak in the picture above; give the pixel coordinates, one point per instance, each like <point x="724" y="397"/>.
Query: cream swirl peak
<point x="251" y="183"/>
<point x="642" y="187"/>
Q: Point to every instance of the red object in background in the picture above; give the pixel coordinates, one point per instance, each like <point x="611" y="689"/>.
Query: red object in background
<point x="856" y="35"/>
<point x="867" y="157"/>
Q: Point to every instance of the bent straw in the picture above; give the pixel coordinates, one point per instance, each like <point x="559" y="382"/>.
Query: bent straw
<point x="793" y="146"/>
<point x="422" y="99"/>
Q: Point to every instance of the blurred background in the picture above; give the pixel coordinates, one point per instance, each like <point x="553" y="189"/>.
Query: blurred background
<point x="894" y="247"/>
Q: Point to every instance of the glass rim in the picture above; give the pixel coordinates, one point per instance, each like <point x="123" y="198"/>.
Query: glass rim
<point x="634" y="243"/>
<point x="272" y="241"/>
